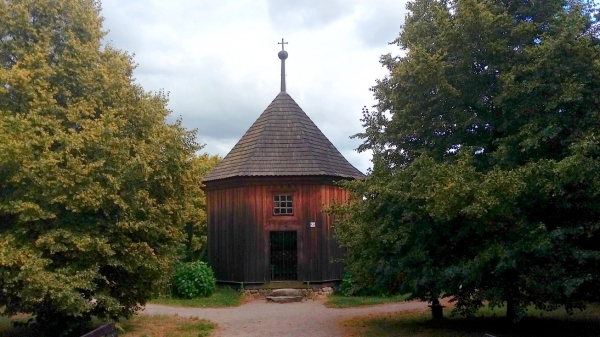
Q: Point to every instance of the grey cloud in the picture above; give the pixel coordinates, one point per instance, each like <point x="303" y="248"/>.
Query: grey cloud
<point x="214" y="107"/>
<point x="128" y="17"/>
<point x="336" y="117"/>
<point x="360" y="161"/>
<point x="307" y="13"/>
<point x="381" y="23"/>
<point x="142" y="23"/>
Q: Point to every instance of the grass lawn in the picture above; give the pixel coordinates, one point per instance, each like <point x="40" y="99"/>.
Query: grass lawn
<point x="340" y="301"/>
<point x="142" y="325"/>
<point x="160" y="326"/>
<point x="537" y="324"/>
<point x="7" y="330"/>
<point x="223" y="297"/>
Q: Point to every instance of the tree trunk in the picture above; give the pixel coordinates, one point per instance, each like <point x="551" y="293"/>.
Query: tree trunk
<point x="437" y="310"/>
<point x="511" y="313"/>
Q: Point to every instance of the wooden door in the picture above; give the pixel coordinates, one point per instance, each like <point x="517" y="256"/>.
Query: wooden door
<point x="283" y="255"/>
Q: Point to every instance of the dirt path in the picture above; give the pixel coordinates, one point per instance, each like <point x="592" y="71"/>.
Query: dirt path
<point x="259" y="318"/>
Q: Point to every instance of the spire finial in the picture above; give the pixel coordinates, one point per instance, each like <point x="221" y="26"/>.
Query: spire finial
<point x="282" y="43"/>
<point x="282" y="56"/>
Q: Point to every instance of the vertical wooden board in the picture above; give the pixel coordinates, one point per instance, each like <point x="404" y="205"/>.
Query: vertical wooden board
<point x="258" y="197"/>
<point x="306" y="233"/>
<point x="258" y="222"/>
<point x="209" y="227"/>
<point x="242" y="235"/>
<point x="322" y="192"/>
<point x="249" y="229"/>
<point x="245" y="232"/>
<point x="327" y="236"/>
<point x="246" y="237"/>
<point x="265" y="212"/>
<point x="301" y="245"/>
<point x="234" y="235"/>
<point x="314" y="233"/>
<point x="248" y="232"/>
<point x="324" y="198"/>
<point x="254" y="199"/>
<point x="217" y="229"/>
<point x="237" y="234"/>
<point x="304" y="250"/>
<point x="240" y="232"/>
<point x="220" y="249"/>
<point x="330" y="241"/>
<point x="223" y="251"/>
<point x="220" y="256"/>
<point x="222" y="231"/>
<point x="213" y="235"/>
<point x="225" y="223"/>
<point x="228" y="234"/>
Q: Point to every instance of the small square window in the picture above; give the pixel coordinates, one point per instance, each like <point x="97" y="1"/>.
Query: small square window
<point x="283" y="205"/>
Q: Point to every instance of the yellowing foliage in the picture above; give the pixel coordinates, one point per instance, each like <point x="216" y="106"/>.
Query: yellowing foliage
<point x="95" y="185"/>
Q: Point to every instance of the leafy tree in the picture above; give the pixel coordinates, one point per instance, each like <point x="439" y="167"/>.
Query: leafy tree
<point x="486" y="148"/>
<point x="93" y="195"/>
<point x="195" y="207"/>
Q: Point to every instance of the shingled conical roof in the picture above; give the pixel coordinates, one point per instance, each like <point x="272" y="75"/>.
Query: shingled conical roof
<point x="283" y="141"/>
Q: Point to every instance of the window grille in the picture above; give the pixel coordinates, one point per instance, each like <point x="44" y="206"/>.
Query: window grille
<point x="283" y="205"/>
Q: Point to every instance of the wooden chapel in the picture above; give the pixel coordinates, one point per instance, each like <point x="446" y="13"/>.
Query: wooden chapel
<point x="265" y="200"/>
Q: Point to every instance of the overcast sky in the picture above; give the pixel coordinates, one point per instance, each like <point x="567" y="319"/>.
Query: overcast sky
<point x="218" y="60"/>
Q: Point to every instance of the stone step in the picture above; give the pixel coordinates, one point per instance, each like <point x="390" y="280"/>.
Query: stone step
<point x="284" y="299"/>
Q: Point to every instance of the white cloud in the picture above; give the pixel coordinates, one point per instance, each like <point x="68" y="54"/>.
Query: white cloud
<point x="218" y="60"/>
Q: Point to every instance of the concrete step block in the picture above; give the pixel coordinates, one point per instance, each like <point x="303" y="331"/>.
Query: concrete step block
<point x="284" y="299"/>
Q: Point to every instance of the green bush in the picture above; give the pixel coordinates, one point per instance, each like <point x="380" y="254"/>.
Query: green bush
<point x="347" y="286"/>
<point x="194" y="279"/>
<point x="364" y="285"/>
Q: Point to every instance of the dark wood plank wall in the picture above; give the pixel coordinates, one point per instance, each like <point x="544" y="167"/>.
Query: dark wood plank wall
<point x="239" y="221"/>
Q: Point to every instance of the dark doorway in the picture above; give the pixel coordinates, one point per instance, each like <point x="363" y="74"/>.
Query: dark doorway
<point x="284" y="255"/>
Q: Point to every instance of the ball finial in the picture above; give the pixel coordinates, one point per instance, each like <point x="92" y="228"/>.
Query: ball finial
<point x="282" y="56"/>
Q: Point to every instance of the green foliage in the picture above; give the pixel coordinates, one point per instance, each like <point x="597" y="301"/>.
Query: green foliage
<point x="486" y="170"/>
<point x="347" y="287"/>
<point x="93" y="180"/>
<point x="222" y="297"/>
<point x="486" y="322"/>
<point x="343" y="301"/>
<point x="194" y="213"/>
<point x="194" y="279"/>
<point x="362" y="285"/>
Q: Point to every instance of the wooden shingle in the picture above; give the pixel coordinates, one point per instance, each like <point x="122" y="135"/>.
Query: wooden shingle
<point x="283" y="141"/>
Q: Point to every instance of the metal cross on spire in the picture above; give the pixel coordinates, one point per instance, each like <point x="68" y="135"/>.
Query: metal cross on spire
<point x="282" y="43"/>
<point x="282" y="56"/>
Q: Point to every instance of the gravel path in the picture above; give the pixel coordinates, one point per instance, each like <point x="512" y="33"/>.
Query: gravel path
<point x="259" y="318"/>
